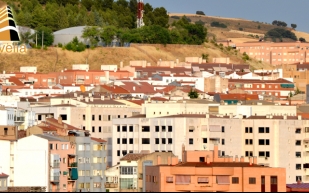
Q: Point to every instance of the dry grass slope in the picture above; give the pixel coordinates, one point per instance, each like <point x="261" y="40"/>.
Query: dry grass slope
<point x="56" y="59"/>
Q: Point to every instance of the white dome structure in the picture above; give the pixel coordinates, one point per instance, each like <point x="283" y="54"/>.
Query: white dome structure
<point x="65" y="36"/>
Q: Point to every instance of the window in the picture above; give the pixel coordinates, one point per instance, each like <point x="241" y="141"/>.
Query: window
<point x="50" y="146"/>
<point x="170" y="141"/>
<point x="298" y="131"/>
<point x="145" y="141"/>
<point x="108" y="117"/>
<point x="84" y="128"/>
<point x="298" y="154"/>
<point x="118" y="152"/>
<point x="118" y="128"/>
<point x="169" y="179"/>
<point x="93" y="117"/>
<point x="127" y="170"/>
<point x="298" y="166"/>
<point x="266" y="129"/>
<point x="163" y="141"/>
<point x="125" y="116"/>
<point x="5" y="131"/>
<point x="131" y="128"/>
<point x="267" y="154"/>
<point x="261" y="129"/>
<point x="306" y="129"/>
<point x="261" y="142"/>
<point x="124" y="141"/>
<point x="170" y="128"/>
<point x="261" y="154"/>
<point x="64" y="160"/>
<point x="235" y="180"/>
<point x="157" y="128"/>
<point x="191" y="141"/>
<point x="202" y="159"/>
<point x="118" y="140"/>
<point x="100" y="118"/>
<point x="248" y="129"/>
<point x="202" y="180"/>
<point x="223" y="142"/>
<point x="84" y="117"/>
<point x="157" y="141"/>
<point x="131" y="141"/>
<point x="298" y="142"/>
<point x="81" y="185"/>
<point x="249" y="142"/>
<point x="124" y="152"/>
<point x="204" y="140"/>
<point x="124" y="128"/>
<point x="222" y="129"/>
<point x="97" y="184"/>
<point x="93" y="129"/>
<point x="252" y="181"/>
<point x="64" y="117"/>
<point x="100" y="130"/>
<point x="298" y="178"/>
<point x="249" y="153"/>
<point x="163" y="128"/>
<point x="145" y="129"/>
<point x="182" y="180"/>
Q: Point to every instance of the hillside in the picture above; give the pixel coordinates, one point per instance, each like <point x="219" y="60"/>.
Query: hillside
<point x="46" y="60"/>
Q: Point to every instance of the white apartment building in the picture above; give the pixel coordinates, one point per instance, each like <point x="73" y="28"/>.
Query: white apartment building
<point x="278" y="141"/>
<point x="17" y="117"/>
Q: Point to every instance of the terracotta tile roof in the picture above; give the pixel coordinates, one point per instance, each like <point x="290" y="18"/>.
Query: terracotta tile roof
<point x="55" y="121"/>
<point x="48" y="128"/>
<point x="166" y="89"/>
<point x="115" y="89"/>
<point x="98" y="140"/>
<point x="217" y="164"/>
<point x="133" y="156"/>
<point x="159" y="99"/>
<point x="142" y="87"/>
<point x="3" y="175"/>
<point x="16" y="81"/>
<point x="278" y="81"/>
<point x="138" y="102"/>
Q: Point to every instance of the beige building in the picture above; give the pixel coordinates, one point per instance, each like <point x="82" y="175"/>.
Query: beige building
<point x="216" y="84"/>
<point x="299" y="73"/>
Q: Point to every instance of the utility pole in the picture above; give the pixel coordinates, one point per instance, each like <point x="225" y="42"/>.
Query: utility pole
<point x="36" y="39"/>
<point x="42" y="39"/>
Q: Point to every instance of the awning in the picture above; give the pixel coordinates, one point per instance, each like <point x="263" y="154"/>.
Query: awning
<point x="223" y="180"/>
<point x="287" y="85"/>
<point x="74" y="174"/>
<point x="183" y="180"/>
<point x="71" y="155"/>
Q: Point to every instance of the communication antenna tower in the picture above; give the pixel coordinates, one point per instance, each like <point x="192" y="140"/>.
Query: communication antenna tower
<point x="140" y="13"/>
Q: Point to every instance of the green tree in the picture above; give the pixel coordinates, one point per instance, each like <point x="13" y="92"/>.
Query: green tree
<point x="205" y="57"/>
<point x="25" y="37"/>
<point x="92" y="34"/>
<point x="45" y="32"/>
<point x="301" y="39"/>
<point x="245" y="56"/>
<point x="193" y="94"/>
<point x="75" y="45"/>
<point x="108" y="33"/>
<point x="294" y="26"/>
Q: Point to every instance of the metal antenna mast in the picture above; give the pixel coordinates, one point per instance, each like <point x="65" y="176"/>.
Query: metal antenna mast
<point x="140" y="13"/>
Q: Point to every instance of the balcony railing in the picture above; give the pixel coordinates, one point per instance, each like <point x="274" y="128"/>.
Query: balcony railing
<point x="73" y="165"/>
<point x="54" y="178"/>
<point x="55" y="164"/>
<point x="19" y="119"/>
<point x="111" y="185"/>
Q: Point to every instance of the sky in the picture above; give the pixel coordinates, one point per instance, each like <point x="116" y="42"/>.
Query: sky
<point x="289" y="11"/>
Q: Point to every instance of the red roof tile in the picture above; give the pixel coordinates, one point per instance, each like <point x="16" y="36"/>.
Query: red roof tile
<point x="115" y="89"/>
<point x="98" y="140"/>
<point x="142" y="87"/>
<point x="16" y="81"/>
<point x="2" y="175"/>
<point x="239" y="96"/>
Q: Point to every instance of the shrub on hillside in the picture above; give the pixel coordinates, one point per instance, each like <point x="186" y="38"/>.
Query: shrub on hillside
<point x="75" y="46"/>
<point x="200" y="13"/>
<point x="218" y="24"/>
<point x="281" y="33"/>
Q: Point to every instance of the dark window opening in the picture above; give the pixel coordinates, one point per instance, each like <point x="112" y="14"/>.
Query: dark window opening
<point x="40" y="117"/>
<point x="222" y="129"/>
<point x="163" y="128"/>
<point x="93" y="129"/>
<point x="157" y="128"/>
<point x="204" y="140"/>
<point x="118" y="128"/>
<point x="266" y="129"/>
<point x="298" y="142"/>
<point x="202" y="159"/>
<point x="298" y="130"/>
<point x="124" y="128"/>
<point x="223" y="142"/>
<point x="130" y="128"/>
<point x="261" y="129"/>
<point x="100" y="118"/>
<point x="170" y="141"/>
<point x="145" y="141"/>
<point x="131" y="141"/>
<point x="64" y="117"/>
<point x="100" y="129"/>
<point x="118" y="116"/>
<point x="157" y="141"/>
<point x="5" y="131"/>
<point x="93" y="117"/>
<point x="124" y="141"/>
<point x="109" y="118"/>
<point x="124" y="152"/>
<point x="252" y="180"/>
<point x="298" y="154"/>
<point x="163" y="141"/>
<point x="118" y="152"/>
<point x="145" y="129"/>
<point x="170" y="128"/>
<point x="190" y="141"/>
<point x="235" y="180"/>
<point x="118" y="140"/>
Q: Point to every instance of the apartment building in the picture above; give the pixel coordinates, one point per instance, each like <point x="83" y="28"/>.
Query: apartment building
<point x="91" y="156"/>
<point x="206" y="171"/>
<point x="277" y="140"/>
<point x="276" y="53"/>
<point x="20" y="118"/>
<point x="280" y="88"/>
<point x="298" y="73"/>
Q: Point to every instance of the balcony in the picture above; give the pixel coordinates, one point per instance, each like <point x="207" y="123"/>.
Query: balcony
<point x="54" y="178"/>
<point x="111" y="185"/>
<point x="72" y="165"/>
<point x="73" y="174"/>
<point x="19" y="119"/>
<point x="55" y="164"/>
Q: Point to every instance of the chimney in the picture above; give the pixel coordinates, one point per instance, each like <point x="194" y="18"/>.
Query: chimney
<point x="236" y="159"/>
<point x="91" y="99"/>
<point x="284" y="116"/>
<point x="172" y="64"/>
<point x="86" y="99"/>
<point x="102" y="98"/>
<point x="3" y="73"/>
<point x="255" y="160"/>
<point x="208" y="159"/>
<point x="107" y="75"/>
<point x="250" y="161"/>
<point x="299" y="117"/>
<point x="134" y="88"/>
<point x="231" y="115"/>
<point x="207" y="115"/>
<point x="168" y="160"/>
<point x="60" y="120"/>
<point x="158" y="160"/>
<point x="149" y="100"/>
<point x="242" y="159"/>
<point x="216" y="152"/>
<point x="121" y="65"/>
<point x="200" y="60"/>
